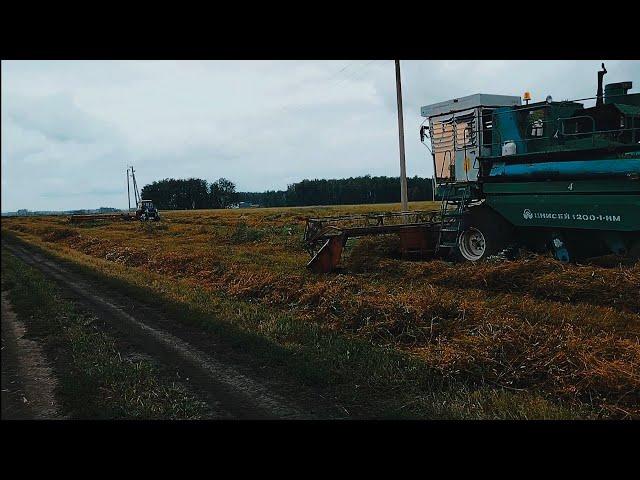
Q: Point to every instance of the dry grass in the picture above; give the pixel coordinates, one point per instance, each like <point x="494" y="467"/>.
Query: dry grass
<point x="569" y="331"/>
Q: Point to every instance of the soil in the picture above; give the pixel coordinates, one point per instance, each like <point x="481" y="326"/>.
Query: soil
<point x="28" y="382"/>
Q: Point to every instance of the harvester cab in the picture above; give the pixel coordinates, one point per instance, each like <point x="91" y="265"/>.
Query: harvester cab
<point x="546" y="175"/>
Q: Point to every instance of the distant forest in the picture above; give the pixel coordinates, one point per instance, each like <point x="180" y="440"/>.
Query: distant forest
<point x="190" y="194"/>
<point x="346" y="191"/>
<point x="194" y="193"/>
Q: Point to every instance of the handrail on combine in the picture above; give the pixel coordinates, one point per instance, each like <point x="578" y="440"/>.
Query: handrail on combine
<point x="554" y="132"/>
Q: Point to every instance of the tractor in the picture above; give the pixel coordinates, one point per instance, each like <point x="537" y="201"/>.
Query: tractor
<point x="145" y="210"/>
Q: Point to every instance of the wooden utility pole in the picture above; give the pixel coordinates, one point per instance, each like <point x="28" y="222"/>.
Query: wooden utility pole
<point x="403" y="167"/>
<point x="128" y="191"/>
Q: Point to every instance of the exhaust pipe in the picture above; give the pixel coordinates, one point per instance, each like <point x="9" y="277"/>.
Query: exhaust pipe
<point x="601" y="73"/>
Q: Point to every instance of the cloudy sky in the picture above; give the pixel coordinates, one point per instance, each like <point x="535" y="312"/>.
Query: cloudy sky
<point x="70" y="128"/>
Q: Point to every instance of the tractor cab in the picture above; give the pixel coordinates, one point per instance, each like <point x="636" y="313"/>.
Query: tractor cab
<point x="147" y="211"/>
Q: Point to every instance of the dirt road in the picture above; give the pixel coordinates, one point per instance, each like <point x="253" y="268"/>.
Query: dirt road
<point x="231" y="389"/>
<point x="28" y="383"/>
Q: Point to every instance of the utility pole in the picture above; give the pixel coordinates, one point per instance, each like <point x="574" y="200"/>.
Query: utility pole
<point x="403" y="167"/>
<point x="128" y="192"/>
<point x="136" y="193"/>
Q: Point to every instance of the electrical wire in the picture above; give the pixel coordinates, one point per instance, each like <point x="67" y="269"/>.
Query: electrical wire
<point x="352" y="76"/>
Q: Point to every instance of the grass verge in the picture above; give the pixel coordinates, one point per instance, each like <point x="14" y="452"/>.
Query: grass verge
<point x="95" y="381"/>
<point x="366" y="380"/>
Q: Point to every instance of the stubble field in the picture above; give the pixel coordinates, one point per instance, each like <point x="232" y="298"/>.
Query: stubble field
<point x="529" y="338"/>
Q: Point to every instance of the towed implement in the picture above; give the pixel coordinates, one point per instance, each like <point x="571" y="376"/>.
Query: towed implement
<point x="549" y="175"/>
<point x="97" y="217"/>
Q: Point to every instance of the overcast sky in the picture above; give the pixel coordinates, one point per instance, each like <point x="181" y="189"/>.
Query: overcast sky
<point x="70" y="128"/>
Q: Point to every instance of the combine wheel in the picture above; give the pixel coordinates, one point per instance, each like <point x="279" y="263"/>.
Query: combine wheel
<point x="484" y="233"/>
<point x="472" y="244"/>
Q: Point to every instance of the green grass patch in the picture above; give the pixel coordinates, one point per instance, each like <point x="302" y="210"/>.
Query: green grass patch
<point x="95" y="381"/>
<point x="243" y="233"/>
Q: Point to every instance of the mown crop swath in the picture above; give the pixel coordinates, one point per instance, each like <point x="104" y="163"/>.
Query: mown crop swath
<point x="569" y="332"/>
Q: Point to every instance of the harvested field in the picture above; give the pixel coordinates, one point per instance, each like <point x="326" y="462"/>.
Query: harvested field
<point x="569" y="333"/>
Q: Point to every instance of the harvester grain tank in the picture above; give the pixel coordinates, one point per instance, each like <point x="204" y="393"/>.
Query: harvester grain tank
<point x="546" y="175"/>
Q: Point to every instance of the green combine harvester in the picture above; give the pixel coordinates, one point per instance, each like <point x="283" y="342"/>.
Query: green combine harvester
<point x="550" y="175"/>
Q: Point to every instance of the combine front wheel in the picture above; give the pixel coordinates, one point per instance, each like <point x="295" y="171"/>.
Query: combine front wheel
<point x="484" y="233"/>
<point x="472" y="244"/>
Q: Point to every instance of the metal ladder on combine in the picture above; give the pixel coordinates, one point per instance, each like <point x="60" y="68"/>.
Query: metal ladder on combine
<point x="451" y="219"/>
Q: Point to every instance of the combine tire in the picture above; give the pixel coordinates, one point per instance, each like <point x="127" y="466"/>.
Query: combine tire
<point x="484" y="233"/>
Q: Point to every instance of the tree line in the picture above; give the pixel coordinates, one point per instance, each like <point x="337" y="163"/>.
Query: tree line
<point x="189" y="194"/>
<point x="195" y="193"/>
<point x="345" y="191"/>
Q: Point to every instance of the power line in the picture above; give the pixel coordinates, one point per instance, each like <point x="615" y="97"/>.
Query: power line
<point x="356" y="71"/>
<point x="341" y="70"/>
<point x="354" y="75"/>
<point x="363" y="68"/>
<point x="331" y="77"/>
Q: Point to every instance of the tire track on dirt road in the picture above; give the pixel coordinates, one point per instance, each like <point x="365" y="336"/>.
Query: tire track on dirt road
<point x="28" y="382"/>
<point x="222" y="384"/>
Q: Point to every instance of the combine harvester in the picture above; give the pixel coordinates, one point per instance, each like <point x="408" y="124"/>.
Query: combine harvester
<point x="551" y="175"/>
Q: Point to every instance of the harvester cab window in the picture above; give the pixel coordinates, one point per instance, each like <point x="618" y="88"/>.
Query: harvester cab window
<point x="442" y="141"/>
<point x="487" y="128"/>
<point x="465" y="130"/>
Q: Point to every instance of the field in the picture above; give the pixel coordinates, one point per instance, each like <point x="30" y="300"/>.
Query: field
<point x="529" y="338"/>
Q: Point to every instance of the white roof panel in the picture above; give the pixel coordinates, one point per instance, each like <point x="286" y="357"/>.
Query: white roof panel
<point x="470" y="101"/>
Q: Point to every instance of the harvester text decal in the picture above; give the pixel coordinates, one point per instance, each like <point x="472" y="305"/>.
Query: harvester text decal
<point x="529" y="215"/>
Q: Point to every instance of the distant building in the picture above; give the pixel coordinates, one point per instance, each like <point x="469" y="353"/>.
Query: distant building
<point x="245" y="205"/>
<point x="22" y="211"/>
